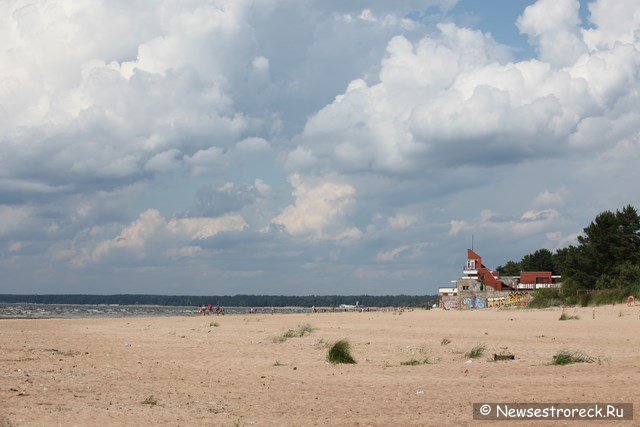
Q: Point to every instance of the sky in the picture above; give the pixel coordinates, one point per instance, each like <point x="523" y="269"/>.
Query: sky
<point x="296" y="147"/>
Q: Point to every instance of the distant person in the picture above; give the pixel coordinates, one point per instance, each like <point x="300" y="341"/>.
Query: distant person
<point x="210" y="307"/>
<point x="222" y="310"/>
<point x="631" y="300"/>
<point x="314" y="309"/>
<point x="217" y="310"/>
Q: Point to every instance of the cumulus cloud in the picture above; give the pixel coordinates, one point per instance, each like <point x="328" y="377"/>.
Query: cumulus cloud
<point x="553" y="25"/>
<point x="151" y="231"/>
<point x="319" y="210"/>
<point x="253" y="145"/>
<point x="393" y="130"/>
<point x="110" y="104"/>
<point x="551" y="198"/>
<point x="457" y="98"/>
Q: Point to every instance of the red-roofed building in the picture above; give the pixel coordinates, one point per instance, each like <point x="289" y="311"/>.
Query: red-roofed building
<point x="480" y="287"/>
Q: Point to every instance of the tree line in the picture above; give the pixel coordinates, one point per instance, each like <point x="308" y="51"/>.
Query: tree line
<point x="229" y="300"/>
<point x="604" y="267"/>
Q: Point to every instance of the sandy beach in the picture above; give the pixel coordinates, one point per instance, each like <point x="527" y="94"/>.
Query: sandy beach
<point x="99" y="371"/>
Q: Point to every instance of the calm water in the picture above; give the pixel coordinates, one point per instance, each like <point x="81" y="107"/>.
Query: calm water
<point x="47" y="311"/>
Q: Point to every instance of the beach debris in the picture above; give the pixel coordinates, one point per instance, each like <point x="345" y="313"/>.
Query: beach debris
<point x="151" y="401"/>
<point x="128" y="344"/>
<point x="469" y="361"/>
<point x="420" y="392"/>
<point x="503" y="356"/>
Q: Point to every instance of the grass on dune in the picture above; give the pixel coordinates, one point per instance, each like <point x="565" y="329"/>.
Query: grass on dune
<point x="564" y="357"/>
<point x="301" y="331"/>
<point x="476" y="352"/>
<point x="414" y="362"/>
<point x="565" y="316"/>
<point x="340" y="353"/>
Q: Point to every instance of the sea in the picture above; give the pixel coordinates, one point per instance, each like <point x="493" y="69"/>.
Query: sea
<point x="69" y="311"/>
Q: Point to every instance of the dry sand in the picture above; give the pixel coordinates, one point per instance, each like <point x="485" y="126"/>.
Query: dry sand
<point x="99" y="371"/>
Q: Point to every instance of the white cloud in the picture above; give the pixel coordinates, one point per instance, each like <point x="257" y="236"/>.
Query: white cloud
<point x="152" y="231"/>
<point x="163" y="162"/>
<point x="319" y="210"/>
<point x="210" y="161"/>
<point x="551" y="198"/>
<point x="457" y="98"/>
<point x="388" y="125"/>
<point x="554" y="26"/>
<point x="400" y="220"/>
<point x="253" y="145"/>
<point x="531" y="222"/>
<point x="616" y="21"/>
<point x="404" y="251"/>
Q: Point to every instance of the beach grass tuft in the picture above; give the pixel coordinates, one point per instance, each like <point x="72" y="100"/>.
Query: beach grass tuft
<point x="476" y="352"/>
<point x="150" y="401"/>
<point x="340" y="353"/>
<point x="445" y="341"/>
<point x="414" y="362"/>
<point x="214" y="324"/>
<point x="295" y="333"/>
<point x="564" y="357"/>
<point x="565" y="316"/>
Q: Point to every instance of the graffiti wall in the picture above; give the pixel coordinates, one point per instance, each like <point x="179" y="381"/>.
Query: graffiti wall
<point x="449" y="304"/>
<point x="473" y="302"/>
<point x="513" y="299"/>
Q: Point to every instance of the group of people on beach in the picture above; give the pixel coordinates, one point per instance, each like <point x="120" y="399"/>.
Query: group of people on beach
<point x="208" y="310"/>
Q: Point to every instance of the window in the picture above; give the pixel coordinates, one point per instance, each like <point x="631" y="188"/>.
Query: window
<point x="465" y="288"/>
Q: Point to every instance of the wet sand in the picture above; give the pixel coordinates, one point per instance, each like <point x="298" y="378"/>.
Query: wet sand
<point x="99" y="371"/>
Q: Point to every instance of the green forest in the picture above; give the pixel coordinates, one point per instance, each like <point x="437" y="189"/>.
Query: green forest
<point x="603" y="268"/>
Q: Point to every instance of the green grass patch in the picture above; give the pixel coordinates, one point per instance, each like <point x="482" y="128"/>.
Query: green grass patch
<point x="565" y="316"/>
<point x="476" y="352"/>
<point x="445" y="341"/>
<point x="214" y="324"/>
<point x="564" y="357"/>
<point x="340" y="353"/>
